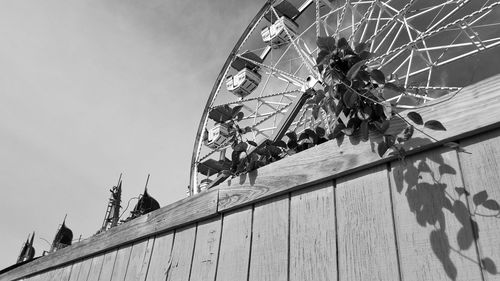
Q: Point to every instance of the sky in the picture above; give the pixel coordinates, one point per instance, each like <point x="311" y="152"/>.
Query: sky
<point x="90" y="89"/>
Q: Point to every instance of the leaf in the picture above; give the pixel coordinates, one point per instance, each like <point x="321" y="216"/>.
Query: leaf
<point x="236" y="110"/>
<point x="363" y="129"/>
<point x="378" y="76"/>
<point x="320" y="132"/>
<point x="361" y="47"/>
<point x="355" y="69"/>
<point x="480" y="197"/>
<point x="492" y="205"/>
<point x="310" y="133"/>
<point x="247" y="129"/>
<point x="382" y="126"/>
<point x="394" y="87"/>
<point x="365" y="55"/>
<point x="326" y="43"/>
<point x="240" y="147"/>
<point x="489" y="266"/>
<point x="343" y="44"/>
<point x="240" y="116"/>
<point x="292" y="135"/>
<point x="315" y="112"/>
<point x="350" y="98"/>
<point x="434" y="125"/>
<point x="408" y="133"/>
<point x="461" y="190"/>
<point x="415" y="117"/>
<point x="303" y="136"/>
<point x="337" y="131"/>
<point x="280" y="143"/>
<point x="382" y="149"/>
<point x="292" y="144"/>
<point x="252" y="143"/>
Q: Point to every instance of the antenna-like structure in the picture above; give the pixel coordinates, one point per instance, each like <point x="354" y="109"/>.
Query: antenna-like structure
<point x="112" y="215"/>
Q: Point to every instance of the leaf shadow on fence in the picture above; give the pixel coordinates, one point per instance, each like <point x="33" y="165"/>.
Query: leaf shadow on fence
<point x="432" y="201"/>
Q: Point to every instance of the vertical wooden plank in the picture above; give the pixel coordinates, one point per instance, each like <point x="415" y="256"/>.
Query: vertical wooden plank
<point x="75" y="271"/>
<point x="481" y="170"/>
<point x="366" y="245"/>
<point x="433" y="227"/>
<point x="182" y="254"/>
<point x="84" y="270"/>
<point x="139" y="260"/>
<point x="121" y="263"/>
<point x="108" y="266"/>
<point x="63" y="273"/>
<point x="313" y="253"/>
<point x="269" y="257"/>
<point x="160" y="257"/>
<point x="234" y="254"/>
<point x="95" y="268"/>
<point x="206" y="250"/>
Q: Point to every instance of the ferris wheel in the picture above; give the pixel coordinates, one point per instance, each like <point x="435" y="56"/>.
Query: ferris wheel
<point x="429" y="47"/>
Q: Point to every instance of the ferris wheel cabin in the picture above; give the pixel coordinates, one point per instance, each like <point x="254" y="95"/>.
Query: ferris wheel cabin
<point x="243" y="83"/>
<point x="276" y="33"/>
<point x="219" y="135"/>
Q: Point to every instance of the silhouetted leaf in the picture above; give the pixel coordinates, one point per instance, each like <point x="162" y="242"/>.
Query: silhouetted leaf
<point x="252" y="143"/>
<point x="492" y="205"/>
<point x="415" y="117"/>
<point x="434" y="125"/>
<point x="446" y="169"/>
<point x="247" y="129"/>
<point x="337" y="131"/>
<point x="275" y="151"/>
<point x="326" y="43"/>
<point x="292" y="144"/>
<point x="480" y="197"/>
<point x="236" y="110"/>
<point x="240" y="147"/>
<point x="363" y="129"/>
<point x="322" y="59"/>
<point x="394" y="87"/>
<point x="365" y="55"/>
<point x="423" y="167"/>
<point x="390" y="140"/>
<point x="489" y="266"/>
<point x="292" y="135"/>
<point x="382" y="126"/>
<point x="350" y="98"/>
<point x="303" y="136"/>
<point x="378" y="76"/>
<point x="382" y="149"/>
<point x="353" y="71"/>
<point x="280" y="143"/>
<point x="461" y="190"/>
<point x="240" y="116"/>
<point x="343" y="44"/>
<point x="320" y="132"/>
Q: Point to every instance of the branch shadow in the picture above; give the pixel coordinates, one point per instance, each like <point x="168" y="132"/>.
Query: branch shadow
<point x="428" y="198"/>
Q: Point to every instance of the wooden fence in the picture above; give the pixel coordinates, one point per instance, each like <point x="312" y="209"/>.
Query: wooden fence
<point x="329" y="213"/>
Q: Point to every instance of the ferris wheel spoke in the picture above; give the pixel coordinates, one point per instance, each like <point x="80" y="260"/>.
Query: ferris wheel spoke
<point x="366" y="15"/>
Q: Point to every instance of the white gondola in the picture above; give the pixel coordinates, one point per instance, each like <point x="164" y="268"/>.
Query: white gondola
<point x="243" y="83"/>
<point x="204" y="185"/>
<point x="219" y="136"/>
<point x="276" y="32"/>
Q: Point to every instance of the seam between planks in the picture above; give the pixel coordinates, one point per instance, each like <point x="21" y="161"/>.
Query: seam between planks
<point x="393" y="216"/>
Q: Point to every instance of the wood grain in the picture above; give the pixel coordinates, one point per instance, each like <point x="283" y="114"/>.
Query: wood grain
<point x="328" y="160"/>
<point x="75" y="270"/>
<point x="481" y="170"/>
<point x="96" y="267"/>
<point x="313" y="253"/>
<point x="180" y="213"/>
<point x="108" y="265"/>
<point x="160" y="257"/>
<point x="234" y="254"/>
<point x="182" y="253"/>
<point x="139" y="260"/>
<point x="206" y="250"/>
<point x="121" y="263"/>
<point x="366" y="245"/>
<point x="433" y="225"/>
<point x="84" y="270"/>
<point x="269" y="256"/>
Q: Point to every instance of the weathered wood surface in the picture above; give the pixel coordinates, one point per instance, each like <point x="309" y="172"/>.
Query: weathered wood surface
<point x="121" y="263"/>
<point x="75" y="270"/>
<point x="108" y="265"/>
<point x="433" y="226"/>
<point x="84" y="270"/>
<point x="460" y="115"/>
<point x="139" y="260"/>
<point x="179" y="267"/>
<point x="367" y="246"/>
<point x="159" y="264"/>
<point x="206" y="251"/>
<point x="180" y="213"/>
<point x="312" y="234"/>
<point x="481" y="170"/>
<point x="269" y="253"/>
<point x="234" y="254"/>
<point x="95" y="268"/>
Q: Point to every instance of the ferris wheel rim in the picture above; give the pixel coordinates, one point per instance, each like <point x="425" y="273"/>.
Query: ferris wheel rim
<point x="269" y="6"/>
